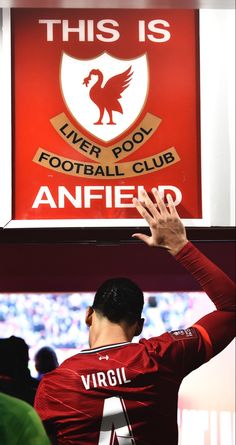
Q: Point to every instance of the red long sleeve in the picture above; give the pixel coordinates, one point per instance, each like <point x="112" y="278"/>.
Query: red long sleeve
<point x="218" y="327"/>
<point x="218" y="286"/>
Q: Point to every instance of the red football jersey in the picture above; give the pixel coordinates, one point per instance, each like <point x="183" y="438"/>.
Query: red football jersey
<point x="122" y="394"/>
<point x="126" y="394"/>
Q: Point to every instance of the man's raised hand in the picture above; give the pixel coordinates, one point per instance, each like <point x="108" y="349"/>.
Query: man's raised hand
<point x="167" y="229"/>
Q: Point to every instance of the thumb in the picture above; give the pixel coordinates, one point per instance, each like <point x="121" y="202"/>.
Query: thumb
<point x="145" y="238"/>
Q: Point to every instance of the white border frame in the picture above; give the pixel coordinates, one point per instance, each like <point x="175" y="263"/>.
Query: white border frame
<point x="207" y="125"/>
<point x="5" y="119"/>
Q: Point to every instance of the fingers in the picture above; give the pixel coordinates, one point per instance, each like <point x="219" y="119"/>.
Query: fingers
<point x="150" y="204"/>
<point x="157" y="210"/>
<point x="171" y="206"/>
<point x="142" y="211"/>
<point x="159" y="201"/>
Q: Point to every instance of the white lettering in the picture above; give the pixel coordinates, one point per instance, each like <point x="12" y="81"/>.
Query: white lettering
<point x="39" y="200"/>
<point x="108" y="197"/>
<point x="90" y="31"/>
<point x="156" y="30"/>
<point x="111" y="197"/>
<point x="86" y="381"/>
<point x="101" y="378"/>
<point x="85" y="31"/>
<point x="80" y="30"/>
<point x="119" y="196"/>
<point x="115" y="426"/>
<point x="105" y="30"/>
<point x="114" y="33"/>
<point x="124" y="376"/>
<point x="64" y="193"/>
<point x="50" y="24"/>
<point x="94" y="380"/>
<point x="89" y="196"/>
<point x="112" y="377"/>
<point x="153" y="26"/>
<point x="142" y="35"/>
<point x="119" y="376"/>
<point x="165" y="189"/>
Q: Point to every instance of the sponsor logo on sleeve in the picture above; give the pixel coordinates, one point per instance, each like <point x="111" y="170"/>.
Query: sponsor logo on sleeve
<point x="184" y="334"/>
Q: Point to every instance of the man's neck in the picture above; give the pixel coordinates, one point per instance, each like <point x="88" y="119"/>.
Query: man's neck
<point x="109" y="338"/>
<point x="105" y="333"/>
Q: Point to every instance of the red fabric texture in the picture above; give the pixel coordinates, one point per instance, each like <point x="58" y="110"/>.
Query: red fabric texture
<point x="218" y="326"/>
<point x="218" y="286"/>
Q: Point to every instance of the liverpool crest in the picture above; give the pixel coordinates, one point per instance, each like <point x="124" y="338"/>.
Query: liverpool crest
<point x="105" y="94"/>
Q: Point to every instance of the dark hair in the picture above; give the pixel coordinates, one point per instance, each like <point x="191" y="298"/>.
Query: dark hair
<point x="14" y="357"/>
<point x="119" y="299"/>
<point x="45" y="360"/>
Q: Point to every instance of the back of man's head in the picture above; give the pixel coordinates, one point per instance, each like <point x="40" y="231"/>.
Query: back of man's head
<point x="45" y="360"/>
<point x="119" y="299"/>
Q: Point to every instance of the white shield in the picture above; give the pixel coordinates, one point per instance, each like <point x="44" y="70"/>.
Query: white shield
<point x="105" y="94"/>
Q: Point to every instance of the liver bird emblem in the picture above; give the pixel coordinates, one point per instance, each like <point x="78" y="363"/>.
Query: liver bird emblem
<point x="107" y="97"/>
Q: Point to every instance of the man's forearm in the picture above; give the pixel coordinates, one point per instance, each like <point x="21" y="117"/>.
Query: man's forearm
<point x="218" y="286"/>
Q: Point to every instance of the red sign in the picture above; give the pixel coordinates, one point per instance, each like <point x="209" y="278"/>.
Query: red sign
<point x="105" y="102"/>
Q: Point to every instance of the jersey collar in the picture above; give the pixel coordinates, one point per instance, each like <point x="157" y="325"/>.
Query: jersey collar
<point x="102" y="348"/>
